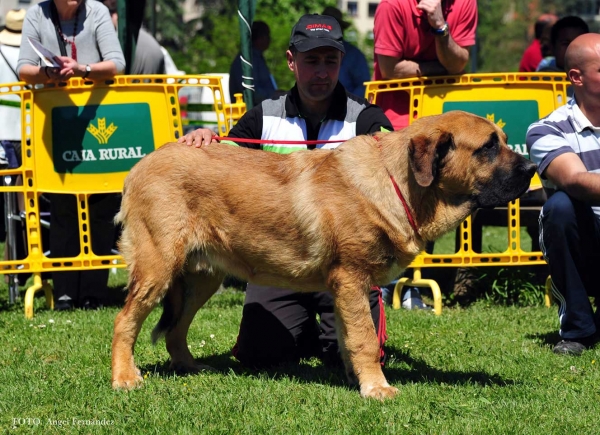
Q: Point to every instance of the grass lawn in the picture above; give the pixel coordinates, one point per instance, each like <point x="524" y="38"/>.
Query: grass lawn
<point x="485" y="369"/>
<point x="482" y="370"/>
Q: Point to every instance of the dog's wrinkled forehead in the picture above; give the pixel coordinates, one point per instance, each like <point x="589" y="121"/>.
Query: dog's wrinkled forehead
<point x="478" y="132"/>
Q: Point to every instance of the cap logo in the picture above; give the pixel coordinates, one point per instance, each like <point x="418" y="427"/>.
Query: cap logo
<point x="318" y="27"/>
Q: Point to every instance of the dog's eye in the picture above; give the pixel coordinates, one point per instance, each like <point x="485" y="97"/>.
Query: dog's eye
<point x="488" y="149"/>
<point x="490" y="144"/>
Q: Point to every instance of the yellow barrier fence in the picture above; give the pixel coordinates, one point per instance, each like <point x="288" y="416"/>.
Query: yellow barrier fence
<point x="82" y="138"/>
<point x="513" y="101"/>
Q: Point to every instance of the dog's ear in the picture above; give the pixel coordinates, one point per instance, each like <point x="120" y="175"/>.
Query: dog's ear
<point x="426" y="153"/>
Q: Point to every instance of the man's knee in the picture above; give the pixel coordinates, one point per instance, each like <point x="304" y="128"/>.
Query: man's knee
<point x="559" y="208"/>
<point x="263" y="341"/>
<point x="565" y="214"/>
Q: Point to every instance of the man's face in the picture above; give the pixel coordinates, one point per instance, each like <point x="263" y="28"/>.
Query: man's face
<point x="546" y="45"/>
<point x="68" y="3"/>
<point x="590" y="75"/>
<point x="262" y="43"/>
<point x="564" y="38"/>
<point x="316" y="72"/>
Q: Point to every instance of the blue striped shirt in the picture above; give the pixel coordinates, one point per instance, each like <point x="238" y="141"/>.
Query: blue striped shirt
<point x="566" y="130"/>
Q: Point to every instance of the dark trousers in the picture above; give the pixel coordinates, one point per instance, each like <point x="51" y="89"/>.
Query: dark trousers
<point x="64" y="242"/>
<point x="570" y="241"/>
<point x="280" y="325"/>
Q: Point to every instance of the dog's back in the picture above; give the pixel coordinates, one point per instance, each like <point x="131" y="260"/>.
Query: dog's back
<point x="220" y="205"/>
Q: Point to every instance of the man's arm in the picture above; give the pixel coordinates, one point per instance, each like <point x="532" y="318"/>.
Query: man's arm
<point x="397" y="68"/>
<point x="453" y="57"/>
<point x="248" y="127"/>
<point x="371" y="120"/>
<point x="570" y="175"/>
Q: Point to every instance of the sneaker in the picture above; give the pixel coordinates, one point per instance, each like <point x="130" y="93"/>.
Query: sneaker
<point x="411" y="300"/>
<point x="575" y="346"/>
<point x="64" y="303"/>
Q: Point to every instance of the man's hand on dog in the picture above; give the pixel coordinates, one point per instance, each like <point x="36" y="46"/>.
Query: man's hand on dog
<point x="197" y="138"/>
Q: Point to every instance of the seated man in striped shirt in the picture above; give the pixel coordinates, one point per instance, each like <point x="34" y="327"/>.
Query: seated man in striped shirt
<point x="566" y="147"/>
<point x="280" y="325"/>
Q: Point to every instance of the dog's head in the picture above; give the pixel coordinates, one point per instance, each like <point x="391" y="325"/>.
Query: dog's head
<point x="466" y="156"/>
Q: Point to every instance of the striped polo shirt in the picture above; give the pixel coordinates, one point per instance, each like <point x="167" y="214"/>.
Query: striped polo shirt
<point x="281" y="119"/>
<point x="566" y="130"/>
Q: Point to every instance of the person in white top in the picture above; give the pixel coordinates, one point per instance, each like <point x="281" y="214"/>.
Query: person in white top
<point x="566" y="147"/>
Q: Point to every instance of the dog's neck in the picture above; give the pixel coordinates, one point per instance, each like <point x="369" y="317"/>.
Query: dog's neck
<point x="407" y="208"/>
<point x="431" y="218"/>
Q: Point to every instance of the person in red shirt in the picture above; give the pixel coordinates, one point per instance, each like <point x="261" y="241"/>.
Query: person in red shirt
<point x="420" y="38"/>
<point x="532" y="56"/>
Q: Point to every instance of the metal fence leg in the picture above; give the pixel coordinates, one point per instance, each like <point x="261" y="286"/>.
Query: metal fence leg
<point x="38" y="285"/>
<point x="417" y="281"/>
<point x="548" y="294"/>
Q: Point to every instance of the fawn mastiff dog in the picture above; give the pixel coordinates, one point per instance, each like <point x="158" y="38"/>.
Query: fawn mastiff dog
<point x="341" y="220"/>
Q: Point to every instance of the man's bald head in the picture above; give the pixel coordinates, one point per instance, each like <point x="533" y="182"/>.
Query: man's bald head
<point x="583" y="49"/>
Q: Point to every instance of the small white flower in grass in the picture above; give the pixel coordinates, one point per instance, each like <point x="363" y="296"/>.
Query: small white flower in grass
<point x="212" y="335"/>
<point x="68" y="321"/>
<point x="51" y="321"/>
<point x="202" y="343"/>
<point x="41" y="326"/>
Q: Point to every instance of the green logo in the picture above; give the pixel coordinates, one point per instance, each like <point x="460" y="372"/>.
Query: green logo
<point x="100" y="139"/>
<point x="514" y="117"/>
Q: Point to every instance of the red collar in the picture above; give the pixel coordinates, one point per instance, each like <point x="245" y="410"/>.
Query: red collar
<point x="411" y="219"/>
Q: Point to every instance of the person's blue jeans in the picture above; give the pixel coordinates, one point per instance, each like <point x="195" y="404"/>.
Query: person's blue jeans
<point x="570" y="241"/>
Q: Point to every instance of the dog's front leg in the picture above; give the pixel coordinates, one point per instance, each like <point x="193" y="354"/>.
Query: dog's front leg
<point x="357" y="338"/>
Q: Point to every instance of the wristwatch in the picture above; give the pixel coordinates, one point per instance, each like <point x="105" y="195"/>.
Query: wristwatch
<point x="88" y="69"/>
<point x="443" y="31"/>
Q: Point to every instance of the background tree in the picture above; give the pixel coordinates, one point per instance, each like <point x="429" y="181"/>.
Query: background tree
<point x="210" y="43"/>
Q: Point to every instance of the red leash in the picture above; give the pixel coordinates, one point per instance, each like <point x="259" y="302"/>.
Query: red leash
<point x="411" y="220"/>
<point x="274" y="141"/>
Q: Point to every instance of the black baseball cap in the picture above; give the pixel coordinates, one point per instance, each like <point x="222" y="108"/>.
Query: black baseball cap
<point x="314" y="31"/>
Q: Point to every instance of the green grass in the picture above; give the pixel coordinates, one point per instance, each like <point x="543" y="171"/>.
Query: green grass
<point x="493" y="240"/>
<point x="482" y="370"/>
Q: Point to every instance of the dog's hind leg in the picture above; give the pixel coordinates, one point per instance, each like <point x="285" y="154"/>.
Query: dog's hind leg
<point x="356" y="335"/>
<point x="149" y="280"/>
<point x="185" y="298"/>
<point x="127" y="328"/>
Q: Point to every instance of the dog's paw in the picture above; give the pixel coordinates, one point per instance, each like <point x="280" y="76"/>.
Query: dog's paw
<point x="186" y="369"/>
<point x="379" y="392"/>
<point x="127" y="383"/>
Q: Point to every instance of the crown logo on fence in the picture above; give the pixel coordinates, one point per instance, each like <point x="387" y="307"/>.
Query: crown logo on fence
<point x="102" y="133"/>
<point x="492" y="117"/>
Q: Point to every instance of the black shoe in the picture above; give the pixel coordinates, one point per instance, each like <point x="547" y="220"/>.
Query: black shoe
<point x="91" y="304"/>
<point x="575" y="346"/>
<point x="64" y="303"/>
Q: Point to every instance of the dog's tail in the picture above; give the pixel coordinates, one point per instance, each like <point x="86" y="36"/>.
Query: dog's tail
<point x="172" y="310"/>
